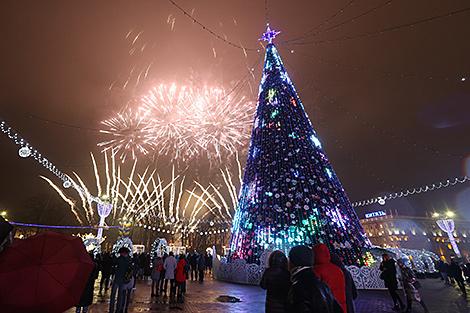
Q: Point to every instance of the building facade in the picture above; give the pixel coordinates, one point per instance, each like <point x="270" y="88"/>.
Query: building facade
<point x="391" y="230"/>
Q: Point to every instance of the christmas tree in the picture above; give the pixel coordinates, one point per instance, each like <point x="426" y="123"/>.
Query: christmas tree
<point x="290" y="193"/>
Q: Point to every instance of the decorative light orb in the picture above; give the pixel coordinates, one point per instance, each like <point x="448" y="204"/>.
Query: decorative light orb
<point x="211" y="223"/>
<point x="24" y="152"/>
<point x="463" y="79"/>
<point x="67" y="184"/>
<point x="172" y="220"/>
<point x="381" y="201"/>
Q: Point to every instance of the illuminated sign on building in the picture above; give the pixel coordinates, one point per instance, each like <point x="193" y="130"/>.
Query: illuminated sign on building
<point x="375" y="214"/>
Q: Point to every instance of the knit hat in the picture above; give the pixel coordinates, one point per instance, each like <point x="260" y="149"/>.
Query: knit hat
<point x="301" y="256"/>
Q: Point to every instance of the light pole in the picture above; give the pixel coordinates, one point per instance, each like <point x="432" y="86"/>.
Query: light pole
<point x="446" y="223"/>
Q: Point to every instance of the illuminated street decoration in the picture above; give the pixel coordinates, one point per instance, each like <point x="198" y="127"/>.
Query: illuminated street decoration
<point x="448" y="226"/>
<point x="26" y="151"/>
<point x="104" y="209"/>
<point x="290" y="194"/>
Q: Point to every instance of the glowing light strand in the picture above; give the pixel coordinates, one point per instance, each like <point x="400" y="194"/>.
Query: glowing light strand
<point x="413" y="191"/>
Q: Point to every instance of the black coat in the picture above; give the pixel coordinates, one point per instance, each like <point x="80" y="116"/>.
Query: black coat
<point x="87" y="295"/>
<point x="309" y="295"/>
<point x="277" y="283"/>
<point x="389" y="273"/>
<point x="455" y="271"/>
<point x="106" y="265"/>
<point x="351" y="291"/>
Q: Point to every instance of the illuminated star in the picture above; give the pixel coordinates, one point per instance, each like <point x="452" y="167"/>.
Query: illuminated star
<point x="270" y="34"/>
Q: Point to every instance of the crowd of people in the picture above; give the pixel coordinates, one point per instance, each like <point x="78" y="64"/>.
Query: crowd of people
<point x="454" y="273"/>
<point x="309" y="280"/>
<point x="314" y="280"/>
<point x="168" y="274"/>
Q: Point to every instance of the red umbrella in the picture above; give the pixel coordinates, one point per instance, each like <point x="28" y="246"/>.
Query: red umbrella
<point x="44" y="273"/>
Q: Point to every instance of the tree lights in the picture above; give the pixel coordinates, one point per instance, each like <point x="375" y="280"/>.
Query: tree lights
<point x="290" y="194"/>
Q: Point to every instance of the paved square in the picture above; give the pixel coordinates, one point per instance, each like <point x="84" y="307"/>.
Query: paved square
<point x="202" y="298"/>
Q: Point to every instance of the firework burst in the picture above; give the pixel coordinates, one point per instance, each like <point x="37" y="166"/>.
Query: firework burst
<point x="130" y="135"/>
<point x="224" y="121"/>
<point x="184" y="123"/>
<point x="167" y="110"/>
<point x="140" y="197"/>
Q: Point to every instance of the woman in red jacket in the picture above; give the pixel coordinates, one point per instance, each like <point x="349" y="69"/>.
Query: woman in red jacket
<point x="181" y="276"/>
<point x="330" y="274"/>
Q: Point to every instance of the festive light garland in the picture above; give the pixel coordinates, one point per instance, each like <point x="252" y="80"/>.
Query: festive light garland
<point x="414" y="191"/>
<point x="26" y="150"/>
<point x="60" y="226"/>
<point x="199" y="231"/>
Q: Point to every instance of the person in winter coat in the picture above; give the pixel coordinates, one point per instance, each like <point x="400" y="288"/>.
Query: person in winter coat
<point x="170" y="265"/>
<point x="106" y="267"/>
<point x="276" y="280"/>
<point x="162" y="274"/>
<point x="155" y="274"/>
<point x="193" y="264"/>
<point x="201" y="265"/>
<point x="456" y="273"/>
<point x="351" y="291"/>
<point x="307" y="293"/>
<point x="410" y="285"/>
<point x="122" y="277"/>
<point x="208" y="260"/>
<point x="389" y="276"/>
<point x="87" y="295"/>
<point x="330" y="274"/>
<point x="181" y="276"/>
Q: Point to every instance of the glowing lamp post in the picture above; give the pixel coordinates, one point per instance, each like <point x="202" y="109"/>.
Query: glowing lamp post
<point x="447" y="224"/>
<point x="104" y="209"/>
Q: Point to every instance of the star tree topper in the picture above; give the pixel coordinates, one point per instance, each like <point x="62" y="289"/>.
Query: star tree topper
<point x="269" y="34"/>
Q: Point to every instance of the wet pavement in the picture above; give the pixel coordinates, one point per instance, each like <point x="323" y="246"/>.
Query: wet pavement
<point x="202" y="298"/>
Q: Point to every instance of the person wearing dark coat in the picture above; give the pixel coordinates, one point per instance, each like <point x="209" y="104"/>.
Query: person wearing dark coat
<point x="410" y="286"/>
<point x="122" y="277"/>
<point x="208" y="260"/>
<point x="307" y="293"/>
<point x="456" y="273"/>
<point x="276" y="280"/>
<point x="87" y="295"/>
<point x="351" y="290"/>
<point x="201" y="265"/>
<point x="106" y="266"/>
<point x="389" y="276"/>
<point x="193" y="264"/>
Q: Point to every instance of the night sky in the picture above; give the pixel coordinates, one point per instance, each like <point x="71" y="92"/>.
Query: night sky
<point x="392" y="108"/>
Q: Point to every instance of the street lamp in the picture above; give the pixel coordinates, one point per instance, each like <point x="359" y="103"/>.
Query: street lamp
<point x="447" y="224"/>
